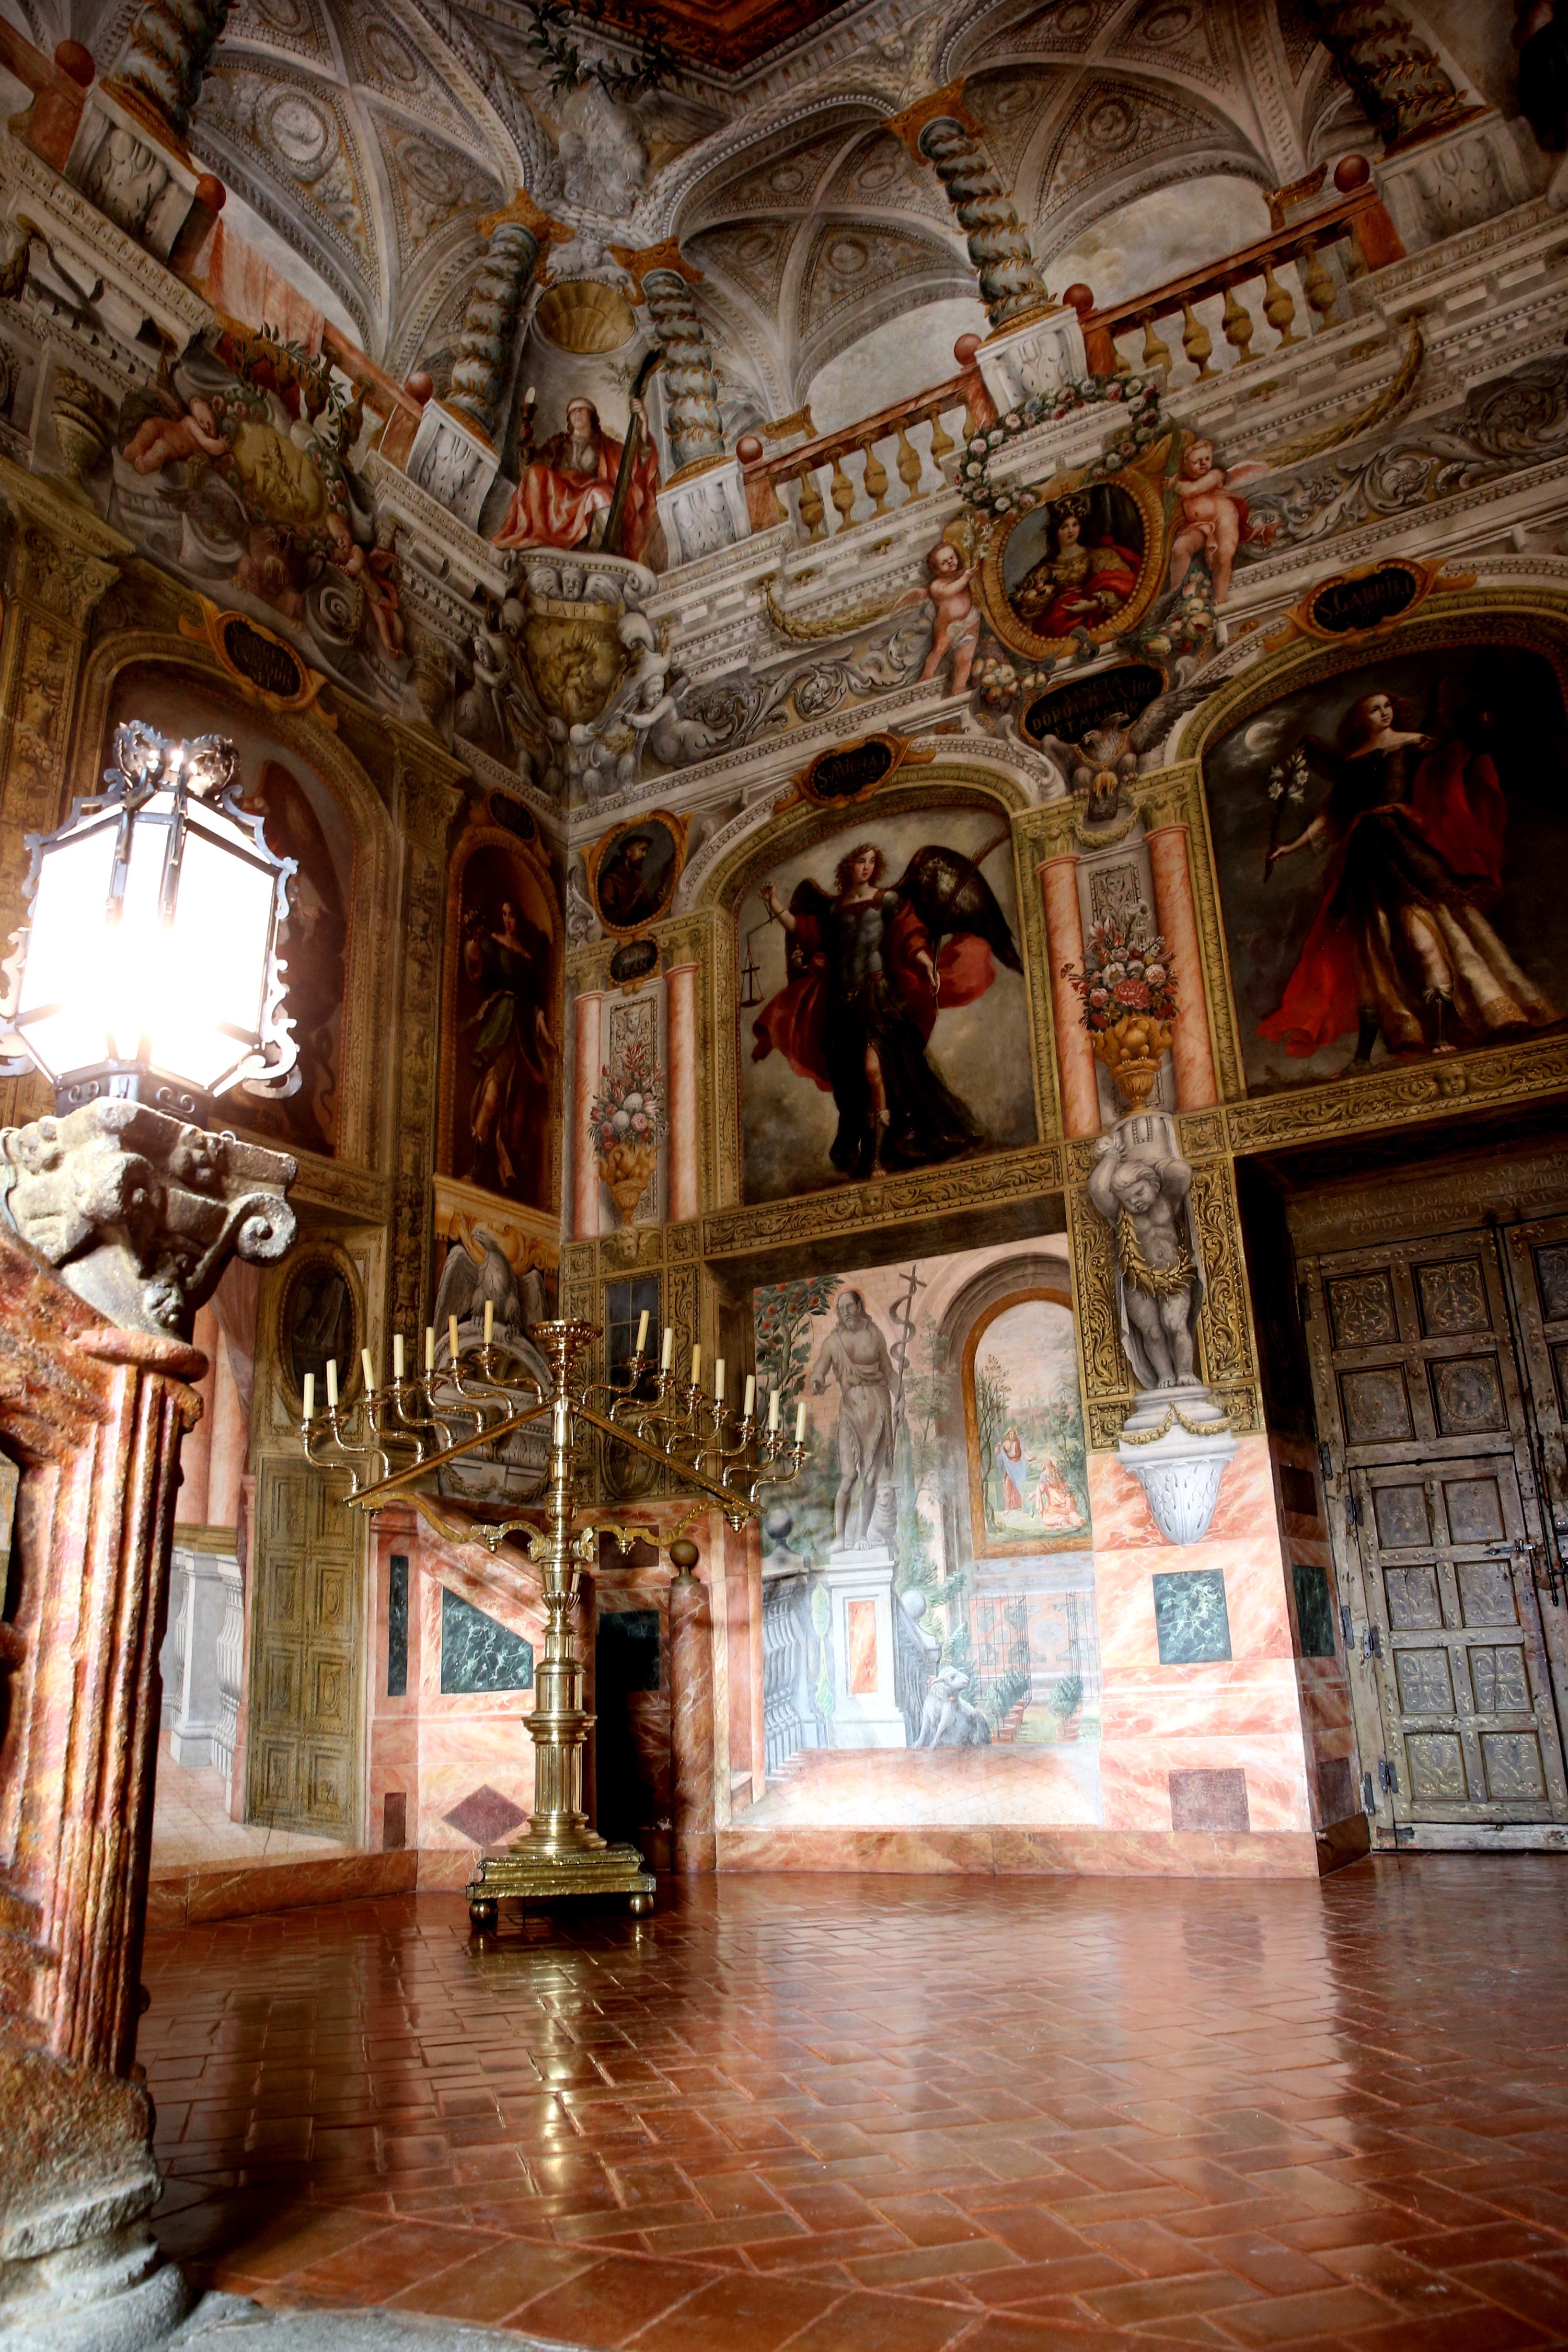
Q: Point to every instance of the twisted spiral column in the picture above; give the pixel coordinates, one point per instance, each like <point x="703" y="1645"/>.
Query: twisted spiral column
<point x="1401" y="85"/>
<point x="489" y="331"/>
<point x="696" y="427"/>
<point x="1010" y="283"/>
<point x="170" y="48"/>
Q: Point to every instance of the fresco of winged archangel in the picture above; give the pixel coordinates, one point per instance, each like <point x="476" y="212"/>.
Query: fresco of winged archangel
<point x="871" y="969"/>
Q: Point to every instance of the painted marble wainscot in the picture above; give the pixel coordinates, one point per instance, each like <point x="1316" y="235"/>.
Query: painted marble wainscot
<point x="1214" y="1751"/>
<point x="451" y="1767"/>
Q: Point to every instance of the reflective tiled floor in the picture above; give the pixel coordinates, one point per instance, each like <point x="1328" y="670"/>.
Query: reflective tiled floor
<point x="895" y="2115"/>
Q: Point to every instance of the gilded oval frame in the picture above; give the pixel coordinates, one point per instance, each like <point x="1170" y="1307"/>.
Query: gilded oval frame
<point x="999" y="612"/>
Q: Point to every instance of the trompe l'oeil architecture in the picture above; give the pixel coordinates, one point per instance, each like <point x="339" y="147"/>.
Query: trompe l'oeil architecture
<point x="912" y="663"/>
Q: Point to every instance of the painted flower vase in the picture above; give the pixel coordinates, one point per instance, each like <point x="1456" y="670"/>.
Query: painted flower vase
<point x="627" y="1170"/>
<point x="1131" y="1051"/>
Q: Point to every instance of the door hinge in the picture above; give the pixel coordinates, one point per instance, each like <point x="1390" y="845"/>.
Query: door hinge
<point x="1387" y="1777"/>
<point x="1371" y="1641"/>
<point x="1368" y="1794"/>
<point x="1352" y="1508"/>
<point x="1325" y="1462"/>
<point x="1350" y="1629"/>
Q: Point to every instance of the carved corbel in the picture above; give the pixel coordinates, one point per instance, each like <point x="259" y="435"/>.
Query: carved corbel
<point x="139" y="1212"/>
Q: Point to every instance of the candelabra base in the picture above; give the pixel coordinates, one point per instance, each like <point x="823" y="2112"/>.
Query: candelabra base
<point x="524" y="1872"/>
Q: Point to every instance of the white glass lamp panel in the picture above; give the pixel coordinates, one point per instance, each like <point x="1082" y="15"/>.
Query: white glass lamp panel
<point x="136" y="960"/>
<point x="66" y="967"/>
<point x="215" y="957"/>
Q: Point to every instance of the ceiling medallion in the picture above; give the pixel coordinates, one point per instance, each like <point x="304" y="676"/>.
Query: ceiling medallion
<point x="582" y="316"/>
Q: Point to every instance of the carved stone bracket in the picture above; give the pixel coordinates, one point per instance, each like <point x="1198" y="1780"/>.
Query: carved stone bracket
<point x="139" y="1212"/>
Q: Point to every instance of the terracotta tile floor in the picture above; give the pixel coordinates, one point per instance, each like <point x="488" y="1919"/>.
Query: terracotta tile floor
<point x="894" y="2115"/>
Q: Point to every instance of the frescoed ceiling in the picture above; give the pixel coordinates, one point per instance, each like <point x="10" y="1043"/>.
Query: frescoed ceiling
<point x="362" y="141"/>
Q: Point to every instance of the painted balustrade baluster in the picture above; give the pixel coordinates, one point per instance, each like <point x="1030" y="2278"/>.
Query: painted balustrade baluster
<point x="1316" y="283"/>
<point x="1196" y="341"/>
<point x="842" y="492"/>
<point x="1155" y="353"/>
<point x="813" y="513"/>
<point x="1279" y="308"/>
<point x="1238" y="329"/>
<point x="875" y="476"/>
<point x="775" y="491"/>
<point x="1356" y="265"/>
<point x="908" y="463"/>
<point x="943" y="444"/>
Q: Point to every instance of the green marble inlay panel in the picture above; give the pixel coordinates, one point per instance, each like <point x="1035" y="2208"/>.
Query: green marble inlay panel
<point x="397" y="1626"/>
<point x="1190" y="1617"/>
<point x="1314" y="1611"/>
<point x="478" y="1653"/>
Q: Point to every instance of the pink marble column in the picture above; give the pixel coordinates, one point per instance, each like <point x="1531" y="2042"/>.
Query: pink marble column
<point x="693" y="1845"/>
<point x="1064" y="944"/>
<point x="1177" y="918"/>
<point x="680" y="1018"/>
<point x="587" y="1020"/>
<point x="191" y="1503"/>
<point x="230" y="1439"/>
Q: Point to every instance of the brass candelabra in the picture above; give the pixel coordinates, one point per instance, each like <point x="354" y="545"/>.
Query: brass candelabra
<point x="398" y="1434"/>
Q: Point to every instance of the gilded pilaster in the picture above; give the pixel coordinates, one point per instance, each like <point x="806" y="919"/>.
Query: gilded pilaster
<point x="428" y="799"/>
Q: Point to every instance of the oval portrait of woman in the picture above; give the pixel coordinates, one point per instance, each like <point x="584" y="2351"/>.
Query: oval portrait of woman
<point x="1077" y="569"/>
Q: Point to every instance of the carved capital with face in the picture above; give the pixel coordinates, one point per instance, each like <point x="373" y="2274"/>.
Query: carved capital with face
<point x="139" y="1212"/>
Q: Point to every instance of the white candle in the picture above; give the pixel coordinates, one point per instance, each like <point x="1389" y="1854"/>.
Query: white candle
<point x="719" y="1381"/>
<point x="397" y="1355"/>
<point x="773" y="1412"/>
<point x="696" y="1368"/>
<point x="368" y="1370"/>
<point x="429" y="1346"/>
<point x="452" y="1336"/>
<point x="669" y="1356"/>
<point x="490" y="1320"/>
<point x="800" y="1423"/>
<point x="309" y="1396"/>
<point x="332" y="1384"/>
<point x="750" y="1397"/>
<point x="642" y="1332"/>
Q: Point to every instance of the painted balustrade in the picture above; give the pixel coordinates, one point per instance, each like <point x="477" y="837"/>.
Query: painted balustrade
<point x="868" y="470"/>
<point x="1257" y="284"/>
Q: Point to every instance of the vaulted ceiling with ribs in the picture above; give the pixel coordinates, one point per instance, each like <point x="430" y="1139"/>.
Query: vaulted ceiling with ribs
<point x="365" y="140"/>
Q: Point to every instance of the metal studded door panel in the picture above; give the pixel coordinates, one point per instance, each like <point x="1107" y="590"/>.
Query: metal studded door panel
<point x="1433" y="1499"/>
<point x="1470" y="1726"/>
<point x="304" y="1692"/>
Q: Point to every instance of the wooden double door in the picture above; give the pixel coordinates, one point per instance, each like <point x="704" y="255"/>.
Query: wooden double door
<point x="1440" y="1371"/>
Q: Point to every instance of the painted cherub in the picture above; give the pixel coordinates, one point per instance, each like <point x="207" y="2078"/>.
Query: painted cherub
<point x="1213" y="519"/>
<point x="370" y="570"/>
<point x="955" y="622"/>
<point x="160" y="441"/>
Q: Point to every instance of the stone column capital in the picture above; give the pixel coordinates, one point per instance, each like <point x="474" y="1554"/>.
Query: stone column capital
<point x="523" y="213"/>
<point x="140" y="1211"/>
<point x="641" y="262"/>
<point x="940" y="105"/>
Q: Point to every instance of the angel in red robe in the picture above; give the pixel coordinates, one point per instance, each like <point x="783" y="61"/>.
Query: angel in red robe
<point x="1413" y="828"/>
<point x="568" y="486"/>
<point x="870" y="970"/>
